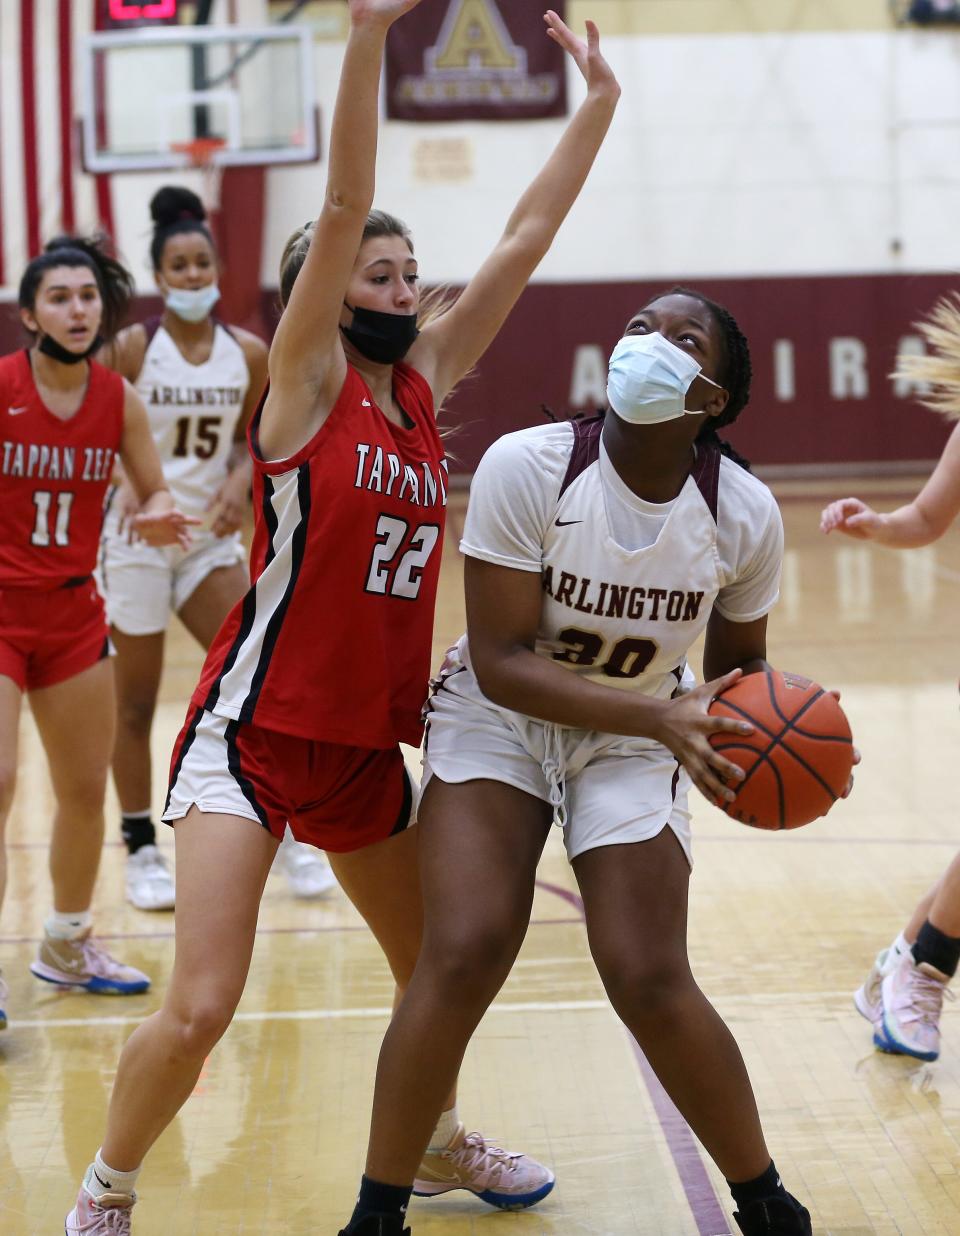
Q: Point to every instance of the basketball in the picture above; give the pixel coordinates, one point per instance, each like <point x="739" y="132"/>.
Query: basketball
<point x="799" y="757"/>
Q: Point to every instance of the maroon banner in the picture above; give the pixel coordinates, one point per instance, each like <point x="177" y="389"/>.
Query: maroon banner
<point x="475" y="60"/>
<point x="822" y="350"/>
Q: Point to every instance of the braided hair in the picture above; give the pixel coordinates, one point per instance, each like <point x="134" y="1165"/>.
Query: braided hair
<point x="175" y="211"/>
<point x="114" y="281"/>
<point x="736" y="371"/>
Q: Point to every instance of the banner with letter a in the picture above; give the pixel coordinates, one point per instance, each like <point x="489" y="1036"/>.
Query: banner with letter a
<point x="475" y="60"/>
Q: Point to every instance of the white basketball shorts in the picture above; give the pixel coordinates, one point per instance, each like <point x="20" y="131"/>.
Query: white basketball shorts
<point x="142" y="584"/>
<point x="605" y="789"/>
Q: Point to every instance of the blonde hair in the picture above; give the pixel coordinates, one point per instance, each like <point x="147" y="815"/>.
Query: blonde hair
<point x="940" y="370"/>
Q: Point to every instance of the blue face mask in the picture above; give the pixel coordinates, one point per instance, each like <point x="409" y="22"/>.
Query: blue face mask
<point x="192" y="305"/>
<point x="648" y="380"/>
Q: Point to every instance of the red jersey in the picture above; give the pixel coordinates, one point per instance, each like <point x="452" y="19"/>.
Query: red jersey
<point x="53" y="476"/>
<point x="333" y="640"/>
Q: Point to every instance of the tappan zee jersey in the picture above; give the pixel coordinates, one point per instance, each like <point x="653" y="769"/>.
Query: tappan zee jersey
<point x="333" y="640"/>
<point x="627" y="586"/>
<point x="53" y="476"/>
<point x="193" y="412"/>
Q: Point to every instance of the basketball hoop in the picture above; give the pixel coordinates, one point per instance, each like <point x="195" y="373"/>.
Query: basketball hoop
<point x="201" y="153"/>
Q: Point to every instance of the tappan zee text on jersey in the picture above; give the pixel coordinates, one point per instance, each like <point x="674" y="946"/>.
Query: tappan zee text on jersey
<point x="40" y="461"/>
<point x="384" y="472"/>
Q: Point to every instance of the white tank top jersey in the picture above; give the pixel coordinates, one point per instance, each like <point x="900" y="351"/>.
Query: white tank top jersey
<point x="628" y="586"/>
<point x="193" y="411"/>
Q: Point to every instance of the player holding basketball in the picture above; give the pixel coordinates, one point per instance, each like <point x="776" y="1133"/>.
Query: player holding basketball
<point x="597" y="552"/>
<point x="902" y="995"/>
<point x="200" y="381"/>
<point x="64" y="419"/>
<point x="322" y="669"/>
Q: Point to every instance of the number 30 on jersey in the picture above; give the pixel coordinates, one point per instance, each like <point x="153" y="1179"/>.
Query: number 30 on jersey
<point x="399" y="557"/>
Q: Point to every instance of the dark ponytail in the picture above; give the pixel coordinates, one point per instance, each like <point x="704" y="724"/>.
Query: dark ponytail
<point x="175" y="211"/>
<point x="113" y="279"/>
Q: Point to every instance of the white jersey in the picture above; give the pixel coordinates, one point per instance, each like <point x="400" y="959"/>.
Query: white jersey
<point x="193" y="411"/>
<point x="628" y="586"/>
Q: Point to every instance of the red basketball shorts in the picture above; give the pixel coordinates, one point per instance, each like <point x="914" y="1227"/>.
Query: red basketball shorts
<point x="47" y="637"/>
<point x="334" y="797"/>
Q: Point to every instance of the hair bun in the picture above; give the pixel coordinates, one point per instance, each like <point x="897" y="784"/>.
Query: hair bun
<point x="173" y="204"/>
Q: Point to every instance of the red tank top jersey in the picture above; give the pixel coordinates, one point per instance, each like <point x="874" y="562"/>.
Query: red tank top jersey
<point x="333" y="640"/>
<point x="53" y="476"/>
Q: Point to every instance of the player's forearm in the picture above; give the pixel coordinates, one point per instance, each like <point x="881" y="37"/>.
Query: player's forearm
<point x="157" y="502"/>
<point x="906" y="528"/>
<point x="353" y="138"/>
<point x="525" y="682"/>
<point x="547" y="202"/>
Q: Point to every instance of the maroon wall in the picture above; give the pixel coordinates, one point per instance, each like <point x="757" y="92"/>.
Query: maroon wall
<point x="532" y="363"/>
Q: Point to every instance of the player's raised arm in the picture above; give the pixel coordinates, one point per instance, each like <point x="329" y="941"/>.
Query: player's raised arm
<point x="307" y="364"/>
<point x="451" y="345"/>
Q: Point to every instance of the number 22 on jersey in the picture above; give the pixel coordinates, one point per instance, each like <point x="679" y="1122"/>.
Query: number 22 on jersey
<point x="399" y="557"/>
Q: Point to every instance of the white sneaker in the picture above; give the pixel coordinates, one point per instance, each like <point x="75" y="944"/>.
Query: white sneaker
<point x="308" y="872"/>
<point x="866" y="998"/>
<point x="149" y="882"/>
<point x="502" y="1178"/>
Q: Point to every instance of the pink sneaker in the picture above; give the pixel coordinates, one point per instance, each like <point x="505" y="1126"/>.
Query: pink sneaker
<point x="501" y="1178"/>
<point x="912" y="998"/>
<point x="85" y="963"/>
<point x="106" y="1216"/>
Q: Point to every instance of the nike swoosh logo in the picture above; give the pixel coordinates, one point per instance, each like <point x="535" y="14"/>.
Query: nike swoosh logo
<point x="565" y="523"/>
<point x="101" y="1179"/>
<point x="16" y="411"/>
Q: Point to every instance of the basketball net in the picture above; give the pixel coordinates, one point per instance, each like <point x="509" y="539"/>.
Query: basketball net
<point x="201" y="153"/>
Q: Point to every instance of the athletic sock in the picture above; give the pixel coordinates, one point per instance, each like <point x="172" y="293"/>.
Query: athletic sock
<point x="102" y="1179"/>
<point x="138" y="830"/>
<point x="937" y="949"/>
<point x="765" y="1186"/>
<point x="375" y="1198"/>
<point x="901" y="946"/>
<point x="67" y="926"/>
<point x="442" y="1135"/>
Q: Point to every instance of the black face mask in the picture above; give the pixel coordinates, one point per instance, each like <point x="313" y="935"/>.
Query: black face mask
<point x="56" y="351"/>
<point x="383" y="338"/>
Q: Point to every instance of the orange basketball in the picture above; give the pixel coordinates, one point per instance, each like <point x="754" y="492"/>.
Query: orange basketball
<point x="799" y="757"/>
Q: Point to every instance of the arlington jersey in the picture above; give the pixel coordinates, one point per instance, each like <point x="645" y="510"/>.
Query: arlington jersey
<point x="333" y="640"/>
<point x="628" y="586"/>
<point x="193" y="412"/>
<point x="54" y="473"/>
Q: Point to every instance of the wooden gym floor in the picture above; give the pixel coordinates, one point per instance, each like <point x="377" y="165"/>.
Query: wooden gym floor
<point x="783" y="929"/>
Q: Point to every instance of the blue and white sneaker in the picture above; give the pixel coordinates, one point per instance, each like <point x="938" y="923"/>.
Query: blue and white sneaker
<point x="4" y="994"/>
<point x="502" y="1178"/>
<point x="85" y="963"/>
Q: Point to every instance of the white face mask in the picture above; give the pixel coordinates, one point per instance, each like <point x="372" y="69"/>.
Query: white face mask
<point x="193" y="305"/>
<point x="648" y="380"/>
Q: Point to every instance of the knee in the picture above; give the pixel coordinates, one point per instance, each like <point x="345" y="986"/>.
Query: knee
<point x="135" y="714"/>
<point x="470" y="967"/>
<point x="83" y="797"/>
<point x="199" y="1025"/>
<point x="645" y="989"/>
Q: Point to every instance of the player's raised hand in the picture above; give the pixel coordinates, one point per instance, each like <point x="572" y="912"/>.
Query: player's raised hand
<point x="379" y="12"/>
<point x="852" y="517"/>
<point x="685" y="729"/>
<point x="585" y="53"/>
